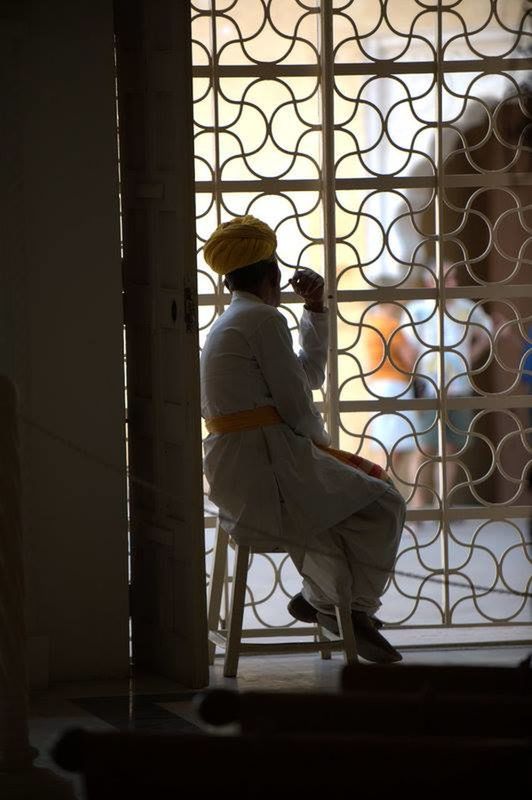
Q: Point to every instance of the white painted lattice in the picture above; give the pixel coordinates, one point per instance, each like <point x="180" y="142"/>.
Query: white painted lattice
<point x="389" y="145"/>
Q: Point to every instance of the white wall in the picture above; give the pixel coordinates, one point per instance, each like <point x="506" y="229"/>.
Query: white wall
<point x="62" y="326"/>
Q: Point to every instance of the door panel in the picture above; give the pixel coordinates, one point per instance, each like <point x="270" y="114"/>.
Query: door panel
<point x="168" y="573"/>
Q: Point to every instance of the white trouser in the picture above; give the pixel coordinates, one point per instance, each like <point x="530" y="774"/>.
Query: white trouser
<point x="350" y="563"/>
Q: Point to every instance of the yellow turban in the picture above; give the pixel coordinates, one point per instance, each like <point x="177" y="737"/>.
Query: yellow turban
<point x="239" y="242"/>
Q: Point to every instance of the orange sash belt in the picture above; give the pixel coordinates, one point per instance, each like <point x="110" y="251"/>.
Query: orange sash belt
<point x="264" y="416"/>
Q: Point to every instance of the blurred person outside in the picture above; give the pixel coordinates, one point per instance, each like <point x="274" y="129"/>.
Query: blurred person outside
<point x="391" y="359"/>
<point x="526" y="372"/>
<point x="526" y="377"/>
<point x="468" y="331"/>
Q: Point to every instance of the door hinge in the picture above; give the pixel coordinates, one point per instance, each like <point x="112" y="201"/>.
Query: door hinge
<point x="190" y="310"/>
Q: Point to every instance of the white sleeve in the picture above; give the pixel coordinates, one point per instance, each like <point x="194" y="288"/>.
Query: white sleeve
<point x="313" y="341"/>
<point x="287" y="380"/>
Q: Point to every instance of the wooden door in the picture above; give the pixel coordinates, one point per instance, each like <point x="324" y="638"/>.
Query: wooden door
<point x="166" y="500"/>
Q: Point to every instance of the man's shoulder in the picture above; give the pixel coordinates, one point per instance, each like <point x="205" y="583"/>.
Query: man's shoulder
<point x="265" y="319"/>
<point x="255" y="311"/>
<point x="248" y="317"/>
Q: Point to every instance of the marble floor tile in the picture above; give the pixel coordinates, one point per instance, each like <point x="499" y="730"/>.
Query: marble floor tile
<point x="151" y="703"/>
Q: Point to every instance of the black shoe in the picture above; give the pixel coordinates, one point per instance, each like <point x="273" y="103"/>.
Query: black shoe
<point x="328" y="622"/>
<point x="299" y="608"/>
<point x="370" y="643"/>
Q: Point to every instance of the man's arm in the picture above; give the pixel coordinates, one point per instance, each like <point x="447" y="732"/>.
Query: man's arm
<point x="286" y="379"/>
<point x="480" y="333"/>
<point x="313" y="342"/>
<point x="314" y="327"/>
<point x="480" y="345"/>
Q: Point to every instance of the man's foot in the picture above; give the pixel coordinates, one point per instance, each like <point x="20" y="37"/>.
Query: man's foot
<point x="328" y="622"/>
<point x="370" y="643"/>
<point x="301" y="609"/>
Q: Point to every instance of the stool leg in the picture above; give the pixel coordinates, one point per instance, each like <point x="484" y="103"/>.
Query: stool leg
<point x="236" y="614"/>
<point x="219" y="561"/>
<point x="343" y="615"/>
<point x="325" y="652"/>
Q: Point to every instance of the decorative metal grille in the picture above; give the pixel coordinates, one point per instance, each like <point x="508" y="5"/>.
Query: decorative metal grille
<point x="389" y="145"/>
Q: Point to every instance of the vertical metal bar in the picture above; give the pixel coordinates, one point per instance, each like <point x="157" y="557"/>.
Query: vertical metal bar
<point x="442" y="465"/>
<point x="216" y="120"/>
<point x="329" y="225"/>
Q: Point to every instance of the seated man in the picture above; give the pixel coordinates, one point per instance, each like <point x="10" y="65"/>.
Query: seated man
<point x="267" y="460"/>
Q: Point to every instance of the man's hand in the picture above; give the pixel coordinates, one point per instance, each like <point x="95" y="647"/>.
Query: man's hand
<point x="309" y="286"/>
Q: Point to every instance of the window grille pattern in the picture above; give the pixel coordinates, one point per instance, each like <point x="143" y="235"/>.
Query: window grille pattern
<point x="389" y="144"/>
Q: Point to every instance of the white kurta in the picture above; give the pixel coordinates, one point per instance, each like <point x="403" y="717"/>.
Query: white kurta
<point x="273" y="483"/>
<point x="341" y="527"/>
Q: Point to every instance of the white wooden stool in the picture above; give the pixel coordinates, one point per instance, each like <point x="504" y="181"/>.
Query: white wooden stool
<point x="230" y="638"/>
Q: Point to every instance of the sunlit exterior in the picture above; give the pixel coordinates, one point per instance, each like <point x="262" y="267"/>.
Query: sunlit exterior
<point x="389" y="145"/>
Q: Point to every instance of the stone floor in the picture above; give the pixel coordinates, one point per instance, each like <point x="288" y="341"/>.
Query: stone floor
<point x="151" y="703"/>
<point x="488" y="562"/>
<point x="480" y="556"/>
